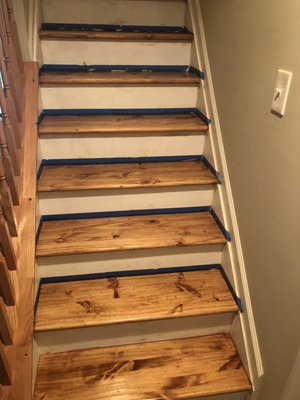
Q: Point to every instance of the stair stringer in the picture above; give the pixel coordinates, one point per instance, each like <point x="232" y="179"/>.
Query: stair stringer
<point x="243" y="330"/>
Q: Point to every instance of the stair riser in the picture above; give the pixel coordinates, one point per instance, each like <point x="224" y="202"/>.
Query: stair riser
<point x="124" y="199"/>
<point x="137" y="332"/>
<point x="129" y="260"/>
<point x="118" y="97"/>
<point x="114" y="12"/>
<point x="53" y="147"/>
<point x="115" y="53"/>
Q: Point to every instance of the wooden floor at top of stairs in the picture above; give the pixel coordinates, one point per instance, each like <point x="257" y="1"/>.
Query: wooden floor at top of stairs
<point x="116" y="36"/>
<point x="96" y="235"/>
<point x="95" y="302"/>
<point x="174" y="369"/>
<point x="131" y="175"/>
<point x="122" y="124"/>
<point x="125" y="78"/>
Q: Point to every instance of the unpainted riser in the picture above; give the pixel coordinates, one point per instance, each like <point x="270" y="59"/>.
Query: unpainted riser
<point x="87" y="97"/>
<point x="136" y="332"/>
<point x="124" y="199"/>
<point x="85" y="146"/>
<point x="120" y="12"/>
<point x="129" y="260"/>
<point x="115" y="53"/>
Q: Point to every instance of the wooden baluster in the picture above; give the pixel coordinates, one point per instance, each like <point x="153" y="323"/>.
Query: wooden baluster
<point x="15" y="63"/>
<point x="14" y="33"/>
<point x="6" y="288"/>
<point x="6" y="243"/>
<point x="10" y="89"/>
<point x="10" y="119"/>
<point x="8" y="169"/>
<point x="8" y="139"/>
<point x="6" y="332"/>
<point x="5" y="371"/>
<point x="7" y="204"/>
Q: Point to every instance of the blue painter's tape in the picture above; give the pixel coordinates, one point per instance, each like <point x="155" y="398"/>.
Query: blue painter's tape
<point x="120" y="111"/>
<point x="197" y="72"/>
<point x="212" y="170"/>
<point x="114" y="28"/>
<point x="40" y="169"/>
<point x="141" y="272"/>
<point x="126" y="213"/>
<point x="120" y="160"/>
<point x="232" y="291"/>
<point x="130" y="68"/>
<point x="221" y="226"/>
<point x="203" y="117"/>
<point x="37" y="297"/>
<point x="40" y="118"/>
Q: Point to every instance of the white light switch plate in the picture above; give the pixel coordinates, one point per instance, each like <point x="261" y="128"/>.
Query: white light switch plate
<point x="283" y="83"/>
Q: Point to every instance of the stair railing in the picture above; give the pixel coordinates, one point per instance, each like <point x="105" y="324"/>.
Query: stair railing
<point x="11" y="149"/>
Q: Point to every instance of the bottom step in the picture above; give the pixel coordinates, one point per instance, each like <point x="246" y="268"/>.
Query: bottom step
<point x="178" y="369"/>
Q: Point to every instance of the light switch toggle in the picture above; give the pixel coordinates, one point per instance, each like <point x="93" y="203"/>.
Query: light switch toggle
<point x="283" y="83"/>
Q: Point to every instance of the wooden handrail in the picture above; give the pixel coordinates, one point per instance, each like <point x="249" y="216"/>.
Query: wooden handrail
<point x="6" y="332"/>
<point x="6" y="289"/>
<point x="5" y="371"/>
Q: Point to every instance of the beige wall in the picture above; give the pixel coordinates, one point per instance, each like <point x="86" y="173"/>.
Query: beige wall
<point x="247" y="42"/>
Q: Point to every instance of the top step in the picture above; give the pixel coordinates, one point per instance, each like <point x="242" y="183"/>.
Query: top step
<point x="114" y="33"/>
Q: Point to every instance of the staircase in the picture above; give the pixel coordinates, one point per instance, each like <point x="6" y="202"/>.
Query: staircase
<point x="132" y="300"/>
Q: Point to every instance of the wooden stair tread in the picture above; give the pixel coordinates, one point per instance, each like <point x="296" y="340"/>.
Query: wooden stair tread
<point x="104" y="124"/>
<point x="103" y="301"/>
<point x="53" y="78"/>
<point x="126" y="175"/>
<point x="119" y="36"/>
<point x="96" y="235"/>
<point x="174" y="369"/>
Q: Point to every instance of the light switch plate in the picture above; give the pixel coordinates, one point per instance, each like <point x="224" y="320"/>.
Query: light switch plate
<point x="282" y="87"/>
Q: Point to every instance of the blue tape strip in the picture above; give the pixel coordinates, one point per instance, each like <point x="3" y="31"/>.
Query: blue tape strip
<point x="120" y="160"/>
<point x="114" y="28"/>
<point x="232" y="291"/>
<point x="221" y="226"/>
<point x="40" y="169"/>
<point x="203" y="117"/>
<point x="141" y="272"/>
<point x="126" y="213"/>
<point x="130" y="68"/>
<point x="120" y="111"/>
<point x="37" y="297"/>
<point x="197" y="72"/>
<point x="212" y="170"/>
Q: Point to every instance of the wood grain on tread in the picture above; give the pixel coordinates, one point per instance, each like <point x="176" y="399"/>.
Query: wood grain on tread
<point x="96" y="302"/>
<point x="170" y="370"/>
<point x="118" y="36"/>
<point x="121" y="124"/>
<point x="96" y="235"/>
<point x="131" y="175"/>
<point x="54" y="78"/>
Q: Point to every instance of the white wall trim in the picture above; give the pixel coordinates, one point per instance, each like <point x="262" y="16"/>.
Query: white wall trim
<point x="248" y="328"/>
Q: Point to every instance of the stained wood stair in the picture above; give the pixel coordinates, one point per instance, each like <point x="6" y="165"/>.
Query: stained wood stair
<point x="93" y="302"/>
<point x="85" y="34"/>
<point x="122" y="124"/>
<point x="95" y="77"/>
<point x="88" y="303"/>
<point x="96" y="235"/>
<point x="177" y="369"/>
<point x="124" y="175"/>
